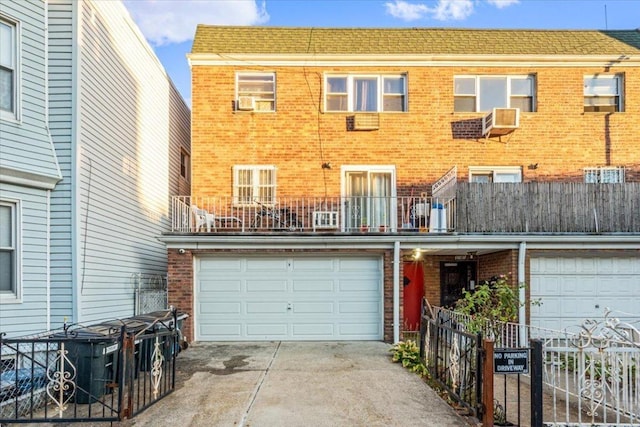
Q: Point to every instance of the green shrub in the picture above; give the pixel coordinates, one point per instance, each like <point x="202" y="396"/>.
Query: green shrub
<point x="408" y="353"/>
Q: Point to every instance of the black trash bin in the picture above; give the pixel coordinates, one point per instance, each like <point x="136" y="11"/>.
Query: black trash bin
<point x="96" y="363"/>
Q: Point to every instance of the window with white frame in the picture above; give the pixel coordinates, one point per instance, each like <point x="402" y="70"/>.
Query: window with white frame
<point x="484" y="93"/>
<point x="604" y="174"/>
<point x="256" y="92"/>
<point x="486" y="174"/>
<point x="8" y="68"/>
<point x="8" y="250"/>
<point x="254" y="184"/>
<point x="366" y="93"/>
<point x="602" y="93"/>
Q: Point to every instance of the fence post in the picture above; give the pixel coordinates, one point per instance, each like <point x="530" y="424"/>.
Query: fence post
<point x="423" y="333"/>
<point x="536" y="383"/>
<point x="487" y="383"/>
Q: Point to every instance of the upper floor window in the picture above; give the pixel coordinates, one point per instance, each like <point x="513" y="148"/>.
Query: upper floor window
<point x="8" y="68"/>
<point x="485" y="174"/>
<point x="484" y="93"/>
<point x="8" y="250"/>
<point x="256" y="92"/>
<point x="604" y="174"/>
<point x="602" y="93"/>
<point x="185" y="166"/>
<point x="365" y="93"/>
<point x="254" y="184"/>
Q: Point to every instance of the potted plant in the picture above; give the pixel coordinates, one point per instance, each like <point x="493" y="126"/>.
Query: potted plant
<point x="364" y="225"/>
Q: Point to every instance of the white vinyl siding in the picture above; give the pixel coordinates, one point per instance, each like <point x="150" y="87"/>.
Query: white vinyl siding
<point x="365" y="93"/>
<point x="484" y="93"/>
<point x="24" y="310"/>
<point x="121" y="158"/>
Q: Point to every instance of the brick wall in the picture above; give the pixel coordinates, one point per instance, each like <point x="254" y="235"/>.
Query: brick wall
<point x="422" y="143"/>
<point x="181" y="282"/>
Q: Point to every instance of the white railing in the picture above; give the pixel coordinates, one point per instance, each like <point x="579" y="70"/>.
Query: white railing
<point x="313" y="214"/>
<point x="592" y="375"/>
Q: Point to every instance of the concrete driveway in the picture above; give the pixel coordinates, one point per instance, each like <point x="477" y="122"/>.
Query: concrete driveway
<point x="296" y="384"/>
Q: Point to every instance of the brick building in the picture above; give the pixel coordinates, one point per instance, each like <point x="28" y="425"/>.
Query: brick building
<point x="340" y="174"/>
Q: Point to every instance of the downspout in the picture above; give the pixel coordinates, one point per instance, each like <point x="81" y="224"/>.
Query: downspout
<point x="48" y="239"/>
<point x="76" y="156"/>
<point x="522" y="295"/>
<point x="396" y="291"/>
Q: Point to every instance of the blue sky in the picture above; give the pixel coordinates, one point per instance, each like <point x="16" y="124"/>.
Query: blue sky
<point x="169" y="25"/>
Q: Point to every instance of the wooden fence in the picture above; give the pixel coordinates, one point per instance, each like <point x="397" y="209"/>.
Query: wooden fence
<point x="548" y="207"/>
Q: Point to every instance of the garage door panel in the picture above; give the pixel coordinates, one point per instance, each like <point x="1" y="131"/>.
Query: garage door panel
<point x="306" y="265"/>
<point x="313" y="307"/>
<point x="358" y="285"/>
<point x="574" y="289"/>
<point x="266" y="330"/>
<point x="266" y="307"/>
<point x="213" y="308"/>
<point x="358" y="329"/>
<point x="212" y="287"/>
<point x="267" y="286"/>
<point x="266" y="264"/>
<point x="359" y="264"/>
<point x="359" y="307"/>
<point x="229" y="330"/>
<point x="313" y="285"/>
<point x="313" y="330"/>
<point x="217" y="265"/>
<point x="305" y="297"/>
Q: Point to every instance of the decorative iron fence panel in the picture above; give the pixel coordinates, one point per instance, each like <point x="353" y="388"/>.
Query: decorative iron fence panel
<point x="454" y="361"/>
<point x="101" y="373"/>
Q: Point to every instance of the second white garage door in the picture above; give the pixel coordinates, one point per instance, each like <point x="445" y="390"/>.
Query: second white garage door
<point x="574" y="289"/>
<point x="288" y="298"/>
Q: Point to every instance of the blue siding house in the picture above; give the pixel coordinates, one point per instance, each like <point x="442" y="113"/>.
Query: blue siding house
<point x="92" y="146"/>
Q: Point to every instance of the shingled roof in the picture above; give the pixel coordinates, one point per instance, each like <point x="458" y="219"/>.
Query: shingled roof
<point x="380" y="41"/>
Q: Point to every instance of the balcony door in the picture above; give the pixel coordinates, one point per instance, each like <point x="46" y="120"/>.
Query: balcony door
<point x="369" y="197"/>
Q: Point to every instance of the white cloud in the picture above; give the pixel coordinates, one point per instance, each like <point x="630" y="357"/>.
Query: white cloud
<point x="165" y="22"/>
<point x="406" y="11"/>
<point x="444" y="10"/>
<point x="502" y="3"/>
<point x="457" y="10"/>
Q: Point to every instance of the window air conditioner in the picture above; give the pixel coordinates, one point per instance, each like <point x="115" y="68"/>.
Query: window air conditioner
<point x="366" y="121"/>
<point x="505" y="118"/>
<point x="246" y="103"/>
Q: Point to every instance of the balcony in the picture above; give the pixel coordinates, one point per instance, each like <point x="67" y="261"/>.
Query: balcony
<point x="313" y="215"/>
<point x="545" y="207"/>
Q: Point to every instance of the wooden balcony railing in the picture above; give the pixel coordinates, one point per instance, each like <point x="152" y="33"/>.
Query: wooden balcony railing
<point x="547" y="207"/>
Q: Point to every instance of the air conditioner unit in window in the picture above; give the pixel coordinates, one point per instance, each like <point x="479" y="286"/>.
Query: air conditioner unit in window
<point x="506" y="118"/>
<point x="501" y="121"/>
<point x="366" y="121"/>
<point x="246" y="103"/>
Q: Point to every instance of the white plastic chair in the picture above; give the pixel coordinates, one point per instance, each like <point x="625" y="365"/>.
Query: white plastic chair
<point x="202" y="219"/>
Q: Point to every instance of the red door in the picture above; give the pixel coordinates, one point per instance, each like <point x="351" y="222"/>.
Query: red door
<point x="412" y="294"/>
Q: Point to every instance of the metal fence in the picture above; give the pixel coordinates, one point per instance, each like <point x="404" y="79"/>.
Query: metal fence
<point x="454" y="361"/>
<point x="355" y="214"/>
<point x="590" y="375"/>
<point x="102" y="373"/>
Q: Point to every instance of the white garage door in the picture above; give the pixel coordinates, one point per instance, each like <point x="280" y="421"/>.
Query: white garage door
<point x="288" y="298"/>
<point x="574" y="289"/>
